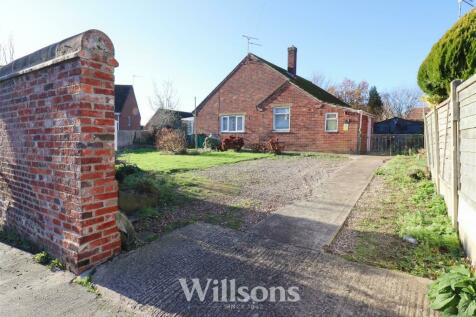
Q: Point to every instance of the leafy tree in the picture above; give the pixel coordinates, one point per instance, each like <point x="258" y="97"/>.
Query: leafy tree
<point x="452" y="57"/>
<point x="375" y="104"/>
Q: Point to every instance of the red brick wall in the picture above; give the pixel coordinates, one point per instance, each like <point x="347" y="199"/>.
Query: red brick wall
<point x="57" y="184"/>
<point x="250" y="85"/>
<point x="130" y="109"/>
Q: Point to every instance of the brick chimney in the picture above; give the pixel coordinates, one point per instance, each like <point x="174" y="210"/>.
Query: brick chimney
<point x="292" y="59"/>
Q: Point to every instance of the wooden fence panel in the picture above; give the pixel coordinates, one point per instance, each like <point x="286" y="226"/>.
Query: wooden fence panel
<point x="467" y="166"/>
<point x="393" y="144"/>
<point x="450" y="143"/>
<point x="445" y="148"/>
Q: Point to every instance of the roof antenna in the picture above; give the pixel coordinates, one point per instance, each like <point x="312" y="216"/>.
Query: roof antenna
<point x="468" y="2"/>
<point x="134" y="76"/>
<point x="249" y="40"/>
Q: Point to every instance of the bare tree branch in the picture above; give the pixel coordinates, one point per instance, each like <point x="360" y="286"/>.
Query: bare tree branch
<point x="165" y="97"/>
<point x="321" y="80"/>
<point x="165" y="103"/>
<point x="399" y="102"/>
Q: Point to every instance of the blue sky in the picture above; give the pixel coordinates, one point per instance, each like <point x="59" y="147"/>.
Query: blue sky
<point x="195" y="44"/>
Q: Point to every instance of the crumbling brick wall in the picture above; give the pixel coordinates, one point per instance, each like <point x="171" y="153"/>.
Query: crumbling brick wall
<point x="57" y="184"/>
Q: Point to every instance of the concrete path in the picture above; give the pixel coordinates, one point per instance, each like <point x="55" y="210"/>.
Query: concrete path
<point x="282" y="251"/>
<point x="29" y="289"/>
<point x="312" y="223"/>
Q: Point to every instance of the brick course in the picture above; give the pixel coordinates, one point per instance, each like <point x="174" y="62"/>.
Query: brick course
<point x="255" y="83"/>
<point x="57" y="185"/>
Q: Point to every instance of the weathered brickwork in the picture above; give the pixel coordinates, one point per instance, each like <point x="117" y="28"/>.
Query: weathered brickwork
<point x="57" y="184"/>
<point x="252" y="84"/>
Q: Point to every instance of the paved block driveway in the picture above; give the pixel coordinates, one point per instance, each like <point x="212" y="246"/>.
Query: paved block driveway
<point x="284" y="250"/>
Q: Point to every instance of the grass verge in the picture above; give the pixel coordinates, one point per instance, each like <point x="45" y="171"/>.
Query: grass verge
<point x="404" y="226"/>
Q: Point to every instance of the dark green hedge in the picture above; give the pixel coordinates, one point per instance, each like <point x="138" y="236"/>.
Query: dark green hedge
<point x="452" y="57"/>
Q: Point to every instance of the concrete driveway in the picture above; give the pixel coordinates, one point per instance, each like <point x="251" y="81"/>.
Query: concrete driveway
<point x="280" y="262"/>
<point x="281" y="255"/>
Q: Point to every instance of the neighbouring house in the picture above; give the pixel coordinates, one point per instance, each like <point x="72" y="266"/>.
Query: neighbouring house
<point x="259" y="100"/>
<point x="417" y="114"/>
<point x="125" y="108"/>
<point x="186" y="119"/>
<point x="127" y="115"/>
<point x="398" y="125"/>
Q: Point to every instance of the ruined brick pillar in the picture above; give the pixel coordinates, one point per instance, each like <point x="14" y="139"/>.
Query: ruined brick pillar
<point x="57" y="185"/>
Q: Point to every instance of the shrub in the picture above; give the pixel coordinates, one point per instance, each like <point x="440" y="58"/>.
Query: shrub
<point x="232" y="143"/>
<point x="171" y="140"/>
<point x="148" y="212"/>
<point x="141" y="183"/>
<point x="125" y="169"/>
<point x="257" y="147"/>
<point x="452" y="57"/>
<point x="211" y="143"/>
<point x="454" y="293"/>
<point x="275" y="146"/>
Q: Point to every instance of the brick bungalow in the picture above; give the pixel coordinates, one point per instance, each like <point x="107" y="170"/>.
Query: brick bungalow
<point x="259" y="100"/>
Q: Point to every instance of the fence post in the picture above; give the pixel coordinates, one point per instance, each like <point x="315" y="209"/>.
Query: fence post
<point x="436" y="136"/>
<point x="425" y="140"/>
<point x="454" y="104"/>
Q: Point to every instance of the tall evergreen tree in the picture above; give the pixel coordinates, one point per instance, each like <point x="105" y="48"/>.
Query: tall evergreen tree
<point x="375" y="104"/>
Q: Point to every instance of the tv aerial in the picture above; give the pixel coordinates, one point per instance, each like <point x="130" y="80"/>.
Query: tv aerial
<point x="252" y="41"/>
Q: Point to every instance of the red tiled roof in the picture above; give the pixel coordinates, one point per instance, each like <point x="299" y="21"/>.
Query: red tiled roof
<point x="417" y="113"/>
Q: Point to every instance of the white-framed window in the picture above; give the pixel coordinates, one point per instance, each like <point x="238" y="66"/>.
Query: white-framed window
<point x="129" y="121"/>
<point x="232" y="123"/>
<point x="281" y="118"/>
<point x="332" y="122"/>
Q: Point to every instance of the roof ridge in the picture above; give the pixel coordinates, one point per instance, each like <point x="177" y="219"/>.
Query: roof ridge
<point x="306" y="85"/>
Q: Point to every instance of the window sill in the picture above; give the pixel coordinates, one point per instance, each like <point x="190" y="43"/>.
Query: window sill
<point x="332" y="131"/>
<point x="281" y="131"/>
<point x="235" y="132"/>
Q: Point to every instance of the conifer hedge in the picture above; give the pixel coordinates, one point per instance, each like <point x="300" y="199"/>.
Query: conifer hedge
<point x="452" y="57"/>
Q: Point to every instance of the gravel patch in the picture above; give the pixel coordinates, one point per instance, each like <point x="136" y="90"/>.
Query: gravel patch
<point x="242" y="194"/>
<point x="369" y="209"/>
<point x="275" y="182"/>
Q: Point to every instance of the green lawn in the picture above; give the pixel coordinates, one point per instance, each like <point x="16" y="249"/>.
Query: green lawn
<point x="152" y="160"/>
